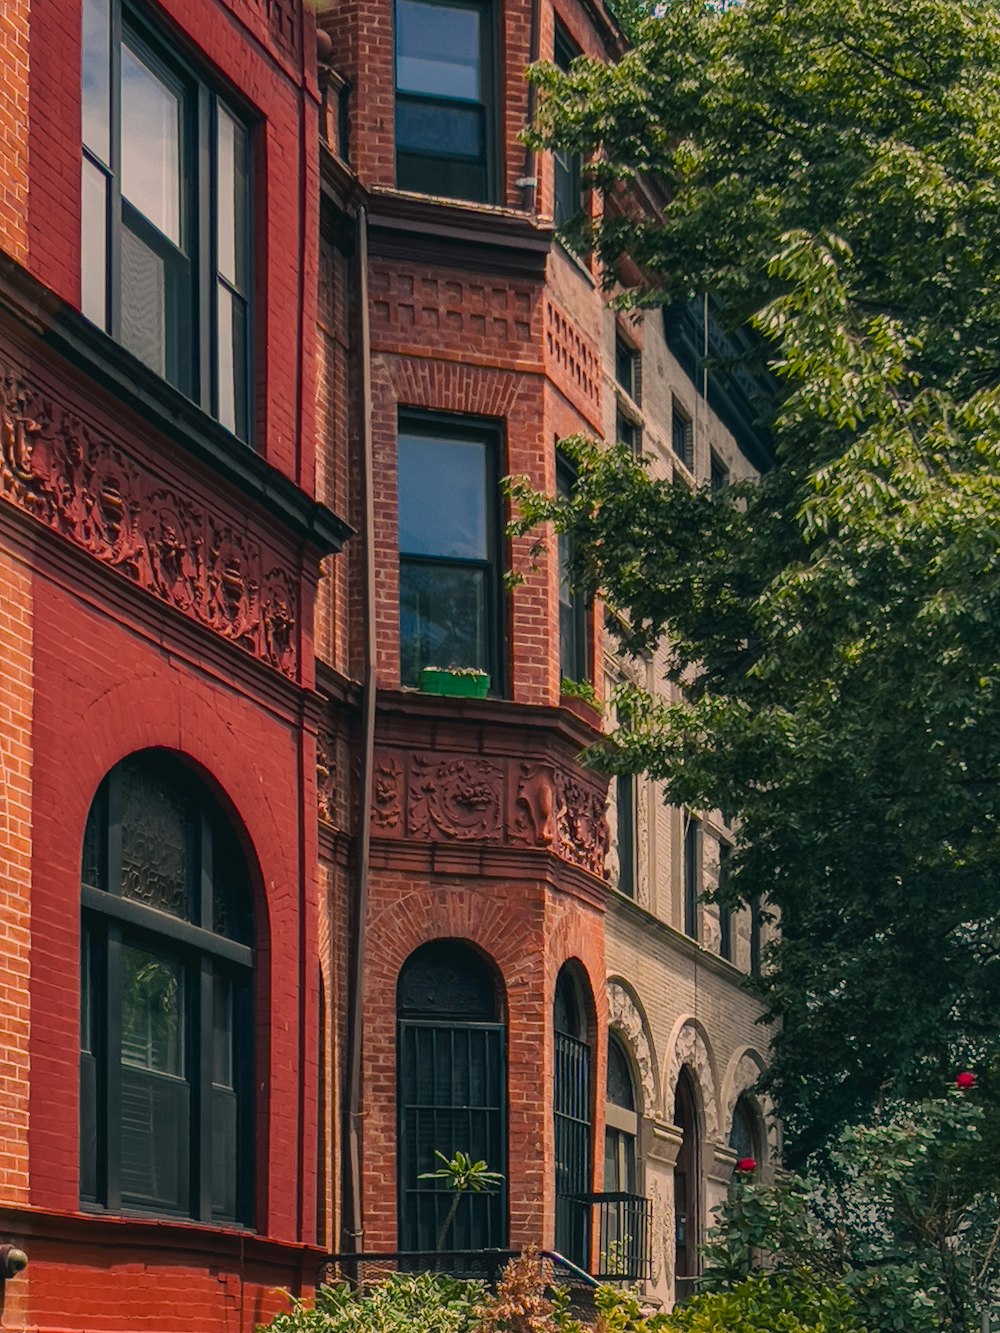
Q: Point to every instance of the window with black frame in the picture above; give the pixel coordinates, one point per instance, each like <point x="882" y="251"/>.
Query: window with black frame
<point x="166" y="1000"/>
<point x="626" y="803"/>
<point x="568" y="166"/>
<point x="445" y="100"/>
<point x="692" y="873"/>
<point x="449" y="580"/>
<point x="725" y="912"/>
<point x="573" y="663"/>
<point x="452" y="1097"/>
<point x="165" y="213"/>
<point x="572" y="1094"/>
<point x="687" y="1190"/>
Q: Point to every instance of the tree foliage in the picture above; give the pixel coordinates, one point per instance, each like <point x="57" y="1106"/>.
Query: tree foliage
<point x="830" y="171"/>
<point x="909" y="1228"/>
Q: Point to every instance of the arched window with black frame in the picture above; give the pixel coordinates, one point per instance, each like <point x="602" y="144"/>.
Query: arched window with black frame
<point x="745" y="1134"/>
<point x="452" y="1096"/>
<point x="687" y="1189"/>
<point x="572" y="1103"/>
<point x="166" y="1073"/>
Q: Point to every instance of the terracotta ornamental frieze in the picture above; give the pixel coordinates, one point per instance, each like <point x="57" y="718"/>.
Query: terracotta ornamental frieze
<point x="159" y="536"/>
<point x="456" y="798"/>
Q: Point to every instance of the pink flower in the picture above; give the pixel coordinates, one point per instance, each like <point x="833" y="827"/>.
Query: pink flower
<point x="965" y="1080"/>
<point x="746" y="1165"/>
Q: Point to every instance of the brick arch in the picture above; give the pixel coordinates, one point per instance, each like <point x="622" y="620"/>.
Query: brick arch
<point x="132" y="699"/>
<point x="448" y="386"/>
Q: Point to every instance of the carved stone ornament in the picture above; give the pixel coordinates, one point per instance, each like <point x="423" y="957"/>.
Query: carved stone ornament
<point x="387" y="793"/>
<point x="326" y="777"/>
<point x="581" y="818"/>
<point x="461" y="798"/>
<point x="623" y="1014"/>
<point x="530" y="804"/>
<point x="691" y="1052"/>
<point x="80" y="485"/>
<point x="534" y="821"/>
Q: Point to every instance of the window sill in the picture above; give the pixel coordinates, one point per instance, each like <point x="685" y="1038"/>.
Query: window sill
<point x="183" y="422"/>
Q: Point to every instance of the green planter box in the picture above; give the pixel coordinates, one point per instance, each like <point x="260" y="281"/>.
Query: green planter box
<point x="460" y="685"/>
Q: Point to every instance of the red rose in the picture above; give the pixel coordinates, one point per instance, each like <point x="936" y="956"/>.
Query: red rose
<point x="746" y="1165"/>
<point x="965" y="1080"/>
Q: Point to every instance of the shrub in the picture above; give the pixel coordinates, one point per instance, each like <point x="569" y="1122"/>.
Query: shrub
<point x="403" y="1303"/>
<point x="768" y="1303"/>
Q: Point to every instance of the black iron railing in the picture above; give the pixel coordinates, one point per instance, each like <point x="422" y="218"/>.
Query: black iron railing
<point x="624" y="1226"/>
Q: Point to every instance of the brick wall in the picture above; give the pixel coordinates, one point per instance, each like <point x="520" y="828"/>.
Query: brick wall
<point x="14" y="21"/>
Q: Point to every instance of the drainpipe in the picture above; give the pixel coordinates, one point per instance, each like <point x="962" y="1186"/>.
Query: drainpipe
<point x="354" y="1229"/>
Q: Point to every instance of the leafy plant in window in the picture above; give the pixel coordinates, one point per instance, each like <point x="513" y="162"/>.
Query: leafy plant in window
<point x="461" y="1175"/>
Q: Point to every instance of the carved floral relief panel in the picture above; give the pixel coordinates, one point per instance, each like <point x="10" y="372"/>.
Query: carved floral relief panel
<point x="500" y="802"/>
<point x="159" y="536"/>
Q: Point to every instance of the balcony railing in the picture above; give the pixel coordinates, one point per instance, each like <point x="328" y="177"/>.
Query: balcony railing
<point x="623" y="1225"/>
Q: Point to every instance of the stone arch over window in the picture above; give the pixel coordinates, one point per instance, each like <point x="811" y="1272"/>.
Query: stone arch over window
<point x="744" y="1071"/>
<point x="573" y="1096"/>
<point x="166" y="1066"/>
<point x="625" y="1015"/>
<point x="690" y="1048"/>
<point x="451" y="1095"/>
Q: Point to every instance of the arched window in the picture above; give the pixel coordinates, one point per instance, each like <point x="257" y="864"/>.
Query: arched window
<point x="166" y="999"/>
<point x="572" y="1098"/>
<point x="686" y="1189"/>
<point x="452" y="1091"/>
<point x="745" y="1137"/>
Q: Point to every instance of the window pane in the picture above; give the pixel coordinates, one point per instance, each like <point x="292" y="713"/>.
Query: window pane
<point x="231" y="366"/>
<point x="144" y="302"/>
<point x="232" y="189"/>
<point x="222" y="1032"/>
<point x="151" y="145"/>
<point x="154" y="1141"/>
<point x="94" y="247"/>
<point x="440" y="130"/>
<point x="152" y="1012"/>
<point x="225" y="1153"/>
<point x="438" y="49"/>
<point x="442" y="497"/>
<point x="156" y="841"/>
<point x="442" y="618"/>
<point x="96" y="83"/>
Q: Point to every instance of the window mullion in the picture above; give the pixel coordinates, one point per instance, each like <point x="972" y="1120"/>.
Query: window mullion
<point x="203" y="243"/>
<point x="113" y="272"/>
<point x="200" y="1073"/>
<point x="111" y="1119"/>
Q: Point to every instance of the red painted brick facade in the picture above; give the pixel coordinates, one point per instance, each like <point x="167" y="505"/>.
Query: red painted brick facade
<point x="157" y="589"/>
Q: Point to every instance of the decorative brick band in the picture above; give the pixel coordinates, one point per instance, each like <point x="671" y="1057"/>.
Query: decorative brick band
<point x="456" y="798"/>
<point x="77" y="483"/>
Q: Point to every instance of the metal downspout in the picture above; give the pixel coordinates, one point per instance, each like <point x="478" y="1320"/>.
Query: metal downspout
<point x="354" y="1229"/>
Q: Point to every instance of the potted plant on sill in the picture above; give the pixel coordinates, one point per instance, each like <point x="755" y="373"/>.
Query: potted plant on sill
<point x="458" y="682"/>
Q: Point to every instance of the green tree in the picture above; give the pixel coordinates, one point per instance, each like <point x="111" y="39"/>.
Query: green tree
<point x="908" y="1225"/>
<point x="829" y="171"/>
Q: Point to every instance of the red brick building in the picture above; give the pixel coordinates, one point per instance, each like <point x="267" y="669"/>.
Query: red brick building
<point x="160" y="544"/>
<point x="280" y="923"/>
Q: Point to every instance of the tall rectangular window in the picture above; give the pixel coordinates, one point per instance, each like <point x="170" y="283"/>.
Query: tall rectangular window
<point x="572" y="612"/>
<point x="692" y="874"/>
<point x="625" y="812"/>
<point x="165" y="214"/>
<point x="567" y="165"/>
<point x="627" y="369"/>
<point x="445" y="100"/>
<point x="449" y="598"/>
<point x="725" y="913"/>
<point x="682" y="435"/>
